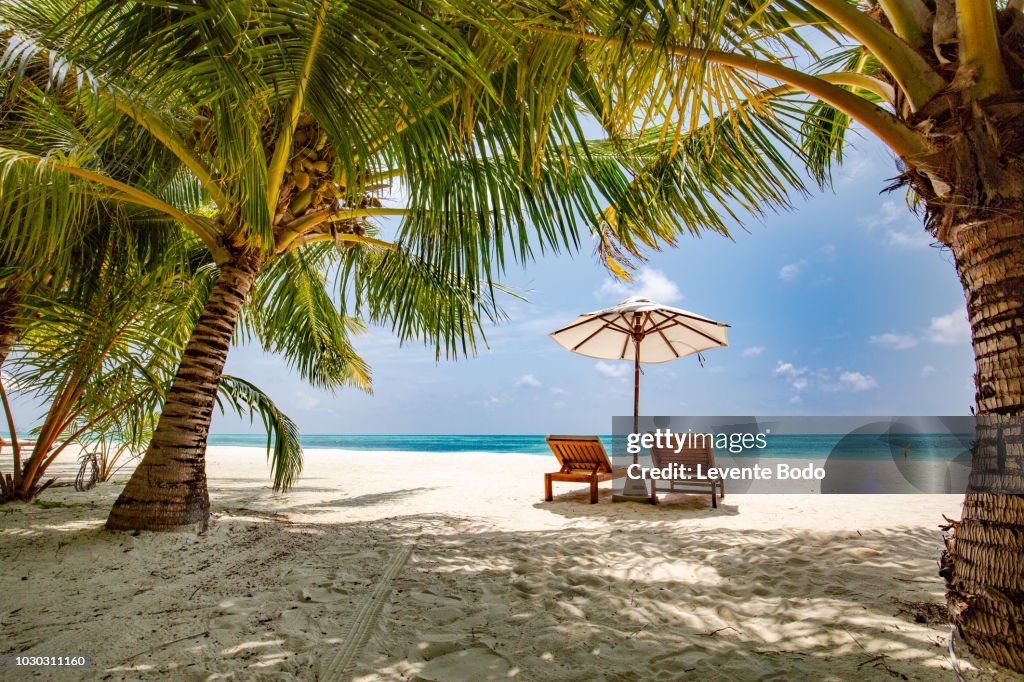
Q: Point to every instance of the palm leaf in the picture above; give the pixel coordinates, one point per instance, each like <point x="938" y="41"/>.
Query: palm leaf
<point x="284" y="446"/>
<point x="290" y="310"/>
<point x="397" y="289"/>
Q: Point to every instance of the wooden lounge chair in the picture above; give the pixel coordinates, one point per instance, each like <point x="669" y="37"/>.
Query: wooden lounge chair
<point x="583" y="460"/>
<point x="694" y="452"/>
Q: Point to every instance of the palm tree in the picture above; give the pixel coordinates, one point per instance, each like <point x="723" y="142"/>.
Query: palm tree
<point x="97" y="303"/>
<point x="58" y="252"/>
<point x="98" y="356"/>
<point x="101" y="354"/>
<point x="291" y="116"/>
<point x="476" y="110"/>
<point x="712" y="85"/>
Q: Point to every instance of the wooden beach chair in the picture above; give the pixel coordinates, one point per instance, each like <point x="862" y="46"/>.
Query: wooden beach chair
<point x="695" y="451"/>
<point x="583" y="460"/>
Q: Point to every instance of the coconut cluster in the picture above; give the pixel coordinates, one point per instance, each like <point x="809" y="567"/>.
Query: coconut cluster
<point x="309" y="183"/>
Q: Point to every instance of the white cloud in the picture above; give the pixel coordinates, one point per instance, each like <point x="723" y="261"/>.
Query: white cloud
<point x="648" y="282"/>
<point x="753" y="351"/>
<point x="894" y="341"/>
<point x="888" y="213"/>
<point x="793" y="374"/>
<point x="828" y="251"/>
<point x="903" y="239"/>
<point x="787" y="369"/>
<point x="528" y="381"/>
<point x="928" y="370"/>
<point x="557" y="390"/>
<point x="790" y="272"/>
<point x="901" y="228"/>
<point x="305" y="401"/>
<point x="795" y="400"/>
<point x="823" y="379"/>
<point x="951" y="329"/>
<point x="855" y="381"/>
<point x="857" y="165"/>
<point x="495" y="400"/>
<point x="618" y="371"/>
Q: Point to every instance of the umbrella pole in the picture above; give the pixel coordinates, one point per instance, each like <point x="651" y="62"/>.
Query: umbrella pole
<point x="636" y="374"/>
<point x="635" y="490"/>
<point x="636" y="390"/>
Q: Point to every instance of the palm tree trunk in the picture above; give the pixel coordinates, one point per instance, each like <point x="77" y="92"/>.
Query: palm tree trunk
<point x="8" y="337"/>
<point x="984" y="559"/>
<point x="10" y="300"/>
<point x="168" y="491"/>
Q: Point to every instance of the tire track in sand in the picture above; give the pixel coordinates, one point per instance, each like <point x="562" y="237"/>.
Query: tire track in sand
<point x="340" y="661"/>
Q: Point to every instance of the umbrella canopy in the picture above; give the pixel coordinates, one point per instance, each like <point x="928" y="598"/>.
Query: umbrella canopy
<point x="660" y="333"/>
<point x="641" y="330"/>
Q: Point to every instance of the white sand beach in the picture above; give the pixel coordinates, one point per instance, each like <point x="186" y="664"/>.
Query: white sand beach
<point x="450" y="568"/>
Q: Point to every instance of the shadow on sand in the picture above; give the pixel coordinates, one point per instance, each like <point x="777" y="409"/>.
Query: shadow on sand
<point x="576" y="504"/>
<point x="623" y="601"/>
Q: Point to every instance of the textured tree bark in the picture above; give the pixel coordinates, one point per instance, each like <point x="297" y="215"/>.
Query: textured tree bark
<point x="984" y="559"/>
<point x="168" y="490"/>
<point x="10" y="300"/>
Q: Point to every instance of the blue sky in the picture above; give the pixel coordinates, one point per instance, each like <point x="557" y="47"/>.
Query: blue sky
<point x="840" y="307"/>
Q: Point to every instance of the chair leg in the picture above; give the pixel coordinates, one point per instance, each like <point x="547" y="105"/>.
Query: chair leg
<point x="714" y="500"/>
<point x="547" y="488"/>
<point x="721" y="489"/>
<point x="654" y="495"/>
<point x="593" y="490"/>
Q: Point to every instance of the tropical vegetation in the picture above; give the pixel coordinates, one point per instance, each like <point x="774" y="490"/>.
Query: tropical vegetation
<point x="289" y="119"/>
<point x="99" y="357"/>
<point x="100" y="303"/>
<point x="941" y="84"/>
<point x="293" y="117"/>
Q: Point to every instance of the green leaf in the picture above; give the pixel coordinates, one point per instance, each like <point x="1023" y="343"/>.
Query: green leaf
<point x="284" y="446"/>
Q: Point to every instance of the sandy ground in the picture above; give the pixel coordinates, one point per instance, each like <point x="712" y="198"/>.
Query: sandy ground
<point x="450" y="568"/>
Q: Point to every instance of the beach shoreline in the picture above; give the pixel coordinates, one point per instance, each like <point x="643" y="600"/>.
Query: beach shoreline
<point x="448" y="567"/>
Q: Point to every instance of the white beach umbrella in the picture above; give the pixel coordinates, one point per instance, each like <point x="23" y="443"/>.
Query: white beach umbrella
<point x="641" y="330"/>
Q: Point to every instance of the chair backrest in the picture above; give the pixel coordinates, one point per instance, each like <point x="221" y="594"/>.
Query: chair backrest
<point x="580" y="453"/>
<point x="697" y="449"/>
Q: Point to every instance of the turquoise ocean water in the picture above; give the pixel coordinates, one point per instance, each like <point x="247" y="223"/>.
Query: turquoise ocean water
<point x="917" y="446"/>
<point x="530" y="445"/>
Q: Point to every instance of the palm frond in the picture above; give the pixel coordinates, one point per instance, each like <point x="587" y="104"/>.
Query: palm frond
<point x="290" y="310"/>
<point x="101" y="356"/>
<point x="418" y="301"/>
<point x="717" y="173"/>
<point x="284" y="444"/>
<point x="824" y="128"/>
<point x="650" y="87"/>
